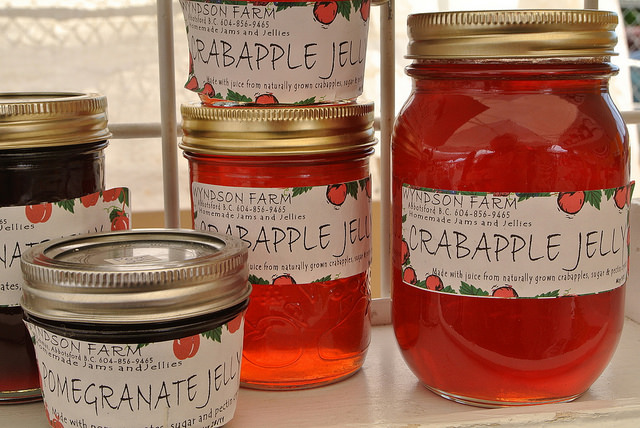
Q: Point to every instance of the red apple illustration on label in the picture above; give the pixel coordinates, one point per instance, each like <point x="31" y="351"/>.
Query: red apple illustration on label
<point x="621" y="197"/>
<point x="186" y="347"/>
<point x="337" y="194"/>
<point x="404" y="251"/>
<point x="325" y="11"/>
<point x="234" y="324"/>
<point x="266" y="99"/>
<point x="284" y="279"/>
<point x="409" y="276"/>
<point x="368" y="188"/>
<point x="192" y="83"/>
<point x="365" y="8"/>
<point x="38" y="213"/>
<point x="570" y="202"/>
<point x="504" y="291"/>
<point x="90" y="200"/>
<point x="111" y="194"/>
<point x="433" y="282"/>
<point x="120" y="221"/>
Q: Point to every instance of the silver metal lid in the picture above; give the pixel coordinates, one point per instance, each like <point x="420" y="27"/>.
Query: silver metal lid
<point x="136" y="276"/>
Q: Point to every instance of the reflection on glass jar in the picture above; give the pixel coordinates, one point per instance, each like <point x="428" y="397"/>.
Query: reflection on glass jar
<point x="293" y="184"/>
<point x="511" y="202"/>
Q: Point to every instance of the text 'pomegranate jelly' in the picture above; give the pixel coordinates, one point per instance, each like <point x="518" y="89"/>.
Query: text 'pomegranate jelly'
<point x="510" y="205"/>
<point x="293" y="184"/>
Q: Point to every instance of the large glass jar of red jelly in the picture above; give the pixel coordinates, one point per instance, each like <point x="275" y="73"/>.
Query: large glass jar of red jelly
<point x="510" y="205"/>
<point x="51" y="149"/>
<point x="293" y="184"/>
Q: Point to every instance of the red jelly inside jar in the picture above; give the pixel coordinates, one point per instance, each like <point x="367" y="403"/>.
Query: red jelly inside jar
<point x="455" y="134"/>
<point x="298" y="333"/>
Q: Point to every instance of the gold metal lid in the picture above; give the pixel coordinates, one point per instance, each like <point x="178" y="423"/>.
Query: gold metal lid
<point x="32" y="119"/>
<point x="512" y="34"/>
<point x="135" y="276"/>
<point x="277" y="131"/>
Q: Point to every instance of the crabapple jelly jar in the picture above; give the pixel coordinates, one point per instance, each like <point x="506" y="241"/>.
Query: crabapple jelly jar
<point x="51" y="150"/>
<point x="293" y="184"/>
<point x="143" y="325"/>
<point x="284" y="52"/>
<point x="511" y="202"/>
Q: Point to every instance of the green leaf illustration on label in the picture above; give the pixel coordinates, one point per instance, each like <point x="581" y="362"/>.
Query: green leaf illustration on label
<point x="297" y="191"/>
<point x="311" y="100"/>
<point x="470" y="290"/>
<point x="257" y="280"/>
<point x="67" y="205"/>
<point x="282" y="6"/>
<point x="554" y="293"/>
<point x="214" y="334"/>
<point x="234" y="96"/>
<point x="593" y="198"/>
<point x="344" y="9"/>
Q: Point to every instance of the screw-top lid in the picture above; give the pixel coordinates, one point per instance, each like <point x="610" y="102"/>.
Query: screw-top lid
<point x="136" y="276"/>
<point x="512" y="34"/>
<point x="273" y="131"/>
<point x="31" y="119"/>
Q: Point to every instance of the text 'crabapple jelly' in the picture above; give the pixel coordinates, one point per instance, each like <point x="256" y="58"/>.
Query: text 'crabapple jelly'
<point x="293" y="184"/>
<point x="52" y="172"/>
<point x="140" y="326"/>
<point x="284" y="52"/>
<point x="511" y="205"/>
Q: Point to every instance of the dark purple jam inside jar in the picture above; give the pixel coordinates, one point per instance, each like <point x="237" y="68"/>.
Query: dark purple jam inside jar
<point x="51" y="149"/>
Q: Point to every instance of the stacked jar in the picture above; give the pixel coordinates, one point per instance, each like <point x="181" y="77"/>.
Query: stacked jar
<point x="278" y="149"/>
<point x="511" y="205"/>
<point x="52" y="173"/>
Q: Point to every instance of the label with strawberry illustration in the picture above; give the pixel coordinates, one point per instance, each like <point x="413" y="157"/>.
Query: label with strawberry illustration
<point x="191" y="381"/>
<point x="287" y="52"/>
<point x="22" y="227"/>
<point x="295" y="235"/>
<point x="529" y="245"/>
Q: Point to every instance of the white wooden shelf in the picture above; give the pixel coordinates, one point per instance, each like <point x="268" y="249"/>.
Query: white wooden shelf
<point x="386" y="394"/>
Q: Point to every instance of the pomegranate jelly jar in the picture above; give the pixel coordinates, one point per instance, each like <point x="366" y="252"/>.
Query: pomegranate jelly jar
<point x="293" y="184"/>
<point x="140" y="326"/>
<point x="51" y="150"/>
<point x="510" y="205"/>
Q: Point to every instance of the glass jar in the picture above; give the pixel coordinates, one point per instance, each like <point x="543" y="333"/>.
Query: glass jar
<point x="285" y="52"/>
<point x="511" y="202"/>
<point x="51" y="149"/>
<point x="293" y="184"/>
<point x="138" y="325"/>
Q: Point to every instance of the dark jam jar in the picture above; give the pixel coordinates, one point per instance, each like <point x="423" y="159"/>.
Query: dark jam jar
<point x="141" y="325"/>
<point x="511" y="201"/>
<point x="51" y="149"/>
<point x="293" y="184"/>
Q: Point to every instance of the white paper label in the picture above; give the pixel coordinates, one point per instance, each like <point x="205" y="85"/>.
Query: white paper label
<point x="270" y="52"/>
<point x="23" y="227"/>
<point x="297" y="235"/>
<point x="189" y="382"/>
<point x="515" y="244"/>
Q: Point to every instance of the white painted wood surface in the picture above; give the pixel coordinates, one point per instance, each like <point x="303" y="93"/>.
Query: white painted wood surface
<point x="386" y="394"/>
